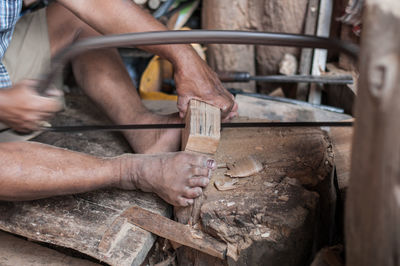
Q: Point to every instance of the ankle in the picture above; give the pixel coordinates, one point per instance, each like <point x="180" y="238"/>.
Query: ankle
<point x="128" y="169"/>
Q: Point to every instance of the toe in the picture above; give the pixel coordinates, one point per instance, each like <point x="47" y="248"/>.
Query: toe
<point x="200" y="171"/>
<point x="205" y="162"/>
<point x="184" y="202"/>
<point x="199" y="182"/>
<point x="192" y="193"/>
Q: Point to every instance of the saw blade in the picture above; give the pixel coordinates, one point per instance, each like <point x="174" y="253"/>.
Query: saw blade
<point x="85" y="128"/>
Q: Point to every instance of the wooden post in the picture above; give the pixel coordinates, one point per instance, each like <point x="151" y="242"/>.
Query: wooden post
<point x="373" y="206"/>
<point x="306" y="53"/>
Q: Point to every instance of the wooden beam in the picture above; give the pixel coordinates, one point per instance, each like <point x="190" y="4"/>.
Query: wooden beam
<point x="203" y="128"/>
<point x="177" y="232"/>
<point x="307" y="53"/>
<point x="373" y="203"/>
<point x="320" y="55"/>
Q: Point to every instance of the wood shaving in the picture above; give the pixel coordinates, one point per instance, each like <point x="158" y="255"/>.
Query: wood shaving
<point x="226" y="185"/>
<point x="245" y="167"/>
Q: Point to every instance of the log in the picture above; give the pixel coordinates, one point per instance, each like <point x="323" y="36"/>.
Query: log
<point x="203" y="127"/>
<point x="270" y="216"/>
<point x="373" y="200"/>
<point x="267" y="213"/>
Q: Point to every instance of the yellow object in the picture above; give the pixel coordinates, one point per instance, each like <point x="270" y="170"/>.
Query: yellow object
<point x="159" y="69"/>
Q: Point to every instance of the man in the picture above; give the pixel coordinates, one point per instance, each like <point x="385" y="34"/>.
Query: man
<point x="31" y="170"/>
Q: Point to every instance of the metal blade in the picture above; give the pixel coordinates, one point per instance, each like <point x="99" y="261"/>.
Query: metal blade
<point x="85" y="128"/>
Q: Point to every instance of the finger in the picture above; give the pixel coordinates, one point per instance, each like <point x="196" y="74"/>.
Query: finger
<point x="199" y="181"/>
<point x="46" y="116"/>
<point x="54" y="92"/>
<point x="226" y="107"/>
<point x="26" y="127"/>
<point x="230" y="116"/>
<point x="192" y="193"/>
<point x="184" y="202"/>
<point x="183" y="103"/>
<point x="45" y="104"/>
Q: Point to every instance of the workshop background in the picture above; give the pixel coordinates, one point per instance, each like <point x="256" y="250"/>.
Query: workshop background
<point x="293" y="218"/>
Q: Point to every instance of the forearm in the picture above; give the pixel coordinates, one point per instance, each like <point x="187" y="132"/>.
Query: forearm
<point x="31" y="170"/>
<point x="123" y="16"/>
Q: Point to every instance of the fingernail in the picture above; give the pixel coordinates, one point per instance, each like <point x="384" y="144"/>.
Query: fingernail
<point x="211" y="164"/>
<point x="189" y="202"/>
<point x="206" y="181"/>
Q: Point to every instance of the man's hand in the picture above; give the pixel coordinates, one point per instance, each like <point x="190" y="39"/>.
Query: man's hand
<point x="196" y="80"/>
<point x="22" y="108"/>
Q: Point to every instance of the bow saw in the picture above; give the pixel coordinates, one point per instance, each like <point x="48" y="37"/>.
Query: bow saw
<point x="187" y="37"/>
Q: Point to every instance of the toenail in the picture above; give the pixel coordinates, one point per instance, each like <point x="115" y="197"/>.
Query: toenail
<point x="211" y="164"/>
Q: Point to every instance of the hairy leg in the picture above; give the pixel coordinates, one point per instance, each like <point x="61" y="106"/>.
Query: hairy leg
<point x="103" y="77"/>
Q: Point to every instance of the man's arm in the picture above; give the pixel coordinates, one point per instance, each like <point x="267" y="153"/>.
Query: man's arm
<point x="193" y="77"/>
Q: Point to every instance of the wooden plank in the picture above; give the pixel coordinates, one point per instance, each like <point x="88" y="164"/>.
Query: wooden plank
<point x="177" y="232"/>
<point x="307" y="53"/>
<point x="266" y="109"/>
<point x="18" y="251"/>
<point x="320" y="55"/>
<point x="203" y="127"/>
<point x="373" y="199"/>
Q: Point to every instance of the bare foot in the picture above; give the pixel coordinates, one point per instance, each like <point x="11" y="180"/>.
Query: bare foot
<point x="157" y="140"/>
<point x="178" y="178"/>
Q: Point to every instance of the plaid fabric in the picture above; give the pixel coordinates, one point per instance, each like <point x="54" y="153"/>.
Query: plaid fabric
<point x="9" y="14"/>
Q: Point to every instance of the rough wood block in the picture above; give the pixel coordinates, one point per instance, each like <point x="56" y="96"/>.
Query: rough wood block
<point x="268" y="214"/>
<point x="272" y="215"/>
<point x="203" y="126"/>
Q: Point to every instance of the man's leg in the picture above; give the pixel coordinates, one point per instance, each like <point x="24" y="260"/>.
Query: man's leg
<point x="32" y="170"/>
<point x="102" y="75"/>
